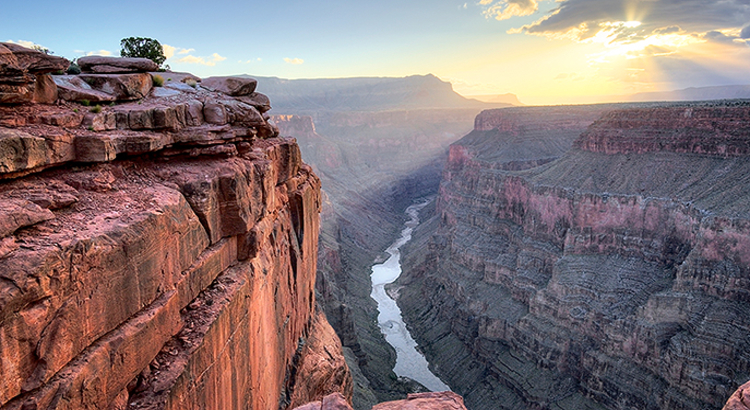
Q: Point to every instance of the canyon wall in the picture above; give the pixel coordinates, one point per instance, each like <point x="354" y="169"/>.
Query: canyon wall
<point x="156" y="252"/>
<point x="614" y="277"/>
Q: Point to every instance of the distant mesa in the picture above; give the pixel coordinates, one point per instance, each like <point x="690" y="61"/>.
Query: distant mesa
<point x="304" y="96"/>
<point x="727" y="92"/>
<point x="508" y="98"/>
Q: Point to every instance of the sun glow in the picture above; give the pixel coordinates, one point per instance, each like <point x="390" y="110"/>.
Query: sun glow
<point x="621" y="40"/>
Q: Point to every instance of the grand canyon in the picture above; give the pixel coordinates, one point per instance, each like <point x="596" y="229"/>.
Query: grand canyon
<point x="170" y="241"/>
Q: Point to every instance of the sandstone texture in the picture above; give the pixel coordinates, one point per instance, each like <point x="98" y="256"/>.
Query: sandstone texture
<point x="151" y="260"/>
<point x="740" y="399"/>
<point x="614" y="277"/>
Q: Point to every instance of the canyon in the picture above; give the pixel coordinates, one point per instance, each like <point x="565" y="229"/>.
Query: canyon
<point x="158" y="250"/>
<point x="373" y="161"/>
<point x="612" y="277"/>
<point x="161" y="245"/>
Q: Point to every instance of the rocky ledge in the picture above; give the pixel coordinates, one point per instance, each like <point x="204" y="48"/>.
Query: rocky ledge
<point x="700" y="129"/>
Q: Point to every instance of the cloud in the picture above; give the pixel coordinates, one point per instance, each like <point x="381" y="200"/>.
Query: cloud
<point x="505" y="9"/>
<point x="583" y="19"/>
<point x="99" y="53"/>
<point x="250" y="61"/>
<point x="295" y="61"/>
<point x="209" y="61"/>
<point x="28" y="44"/>
<point x="745" y="33"/>
<point x="170" y="51"/>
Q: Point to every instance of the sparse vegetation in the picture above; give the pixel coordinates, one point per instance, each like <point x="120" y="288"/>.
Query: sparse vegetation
<point x="85" y="103"/>
<point x="96" y="109"/>
<point x="158" y="80"/>
<point x="143" y="47"/>
<point x="191" y="83"/>
<point x="74" y="68"/>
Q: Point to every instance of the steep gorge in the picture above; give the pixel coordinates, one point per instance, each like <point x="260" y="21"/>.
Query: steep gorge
<point x="613" y="277"/>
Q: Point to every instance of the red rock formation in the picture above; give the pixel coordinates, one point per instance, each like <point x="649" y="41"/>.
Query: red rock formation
<point x="415" y="401"/>
<point x="740" y="399"/>
<point x="160" y="262"/>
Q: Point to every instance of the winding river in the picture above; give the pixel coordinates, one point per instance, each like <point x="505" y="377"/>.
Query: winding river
<point x="409" y="361"/>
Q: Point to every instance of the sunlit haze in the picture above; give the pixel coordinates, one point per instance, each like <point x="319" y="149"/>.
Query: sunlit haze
<point x="545" y="52"/>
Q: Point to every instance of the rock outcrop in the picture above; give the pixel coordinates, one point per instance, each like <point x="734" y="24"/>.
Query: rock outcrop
<point x="613" y="277"/>
<point x="415" y="401"/>
<point x="152" y="259"/>
<point x="24" y="75"/>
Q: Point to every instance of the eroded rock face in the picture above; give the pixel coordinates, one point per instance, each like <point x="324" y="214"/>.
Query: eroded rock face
<point x="172" y="267"/>
<point x="609" y="278"/>
<point x="23" y="75"/>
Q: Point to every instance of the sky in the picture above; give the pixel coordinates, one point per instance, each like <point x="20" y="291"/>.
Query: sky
<point x="544" y="51"/>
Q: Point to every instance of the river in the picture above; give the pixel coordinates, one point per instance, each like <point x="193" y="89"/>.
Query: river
<point x="409" y="361"/>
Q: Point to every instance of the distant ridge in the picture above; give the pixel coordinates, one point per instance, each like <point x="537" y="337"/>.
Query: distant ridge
<point x="727" y="92"/>
<point x="508" y="98"/>
<point x="364" y="94"/>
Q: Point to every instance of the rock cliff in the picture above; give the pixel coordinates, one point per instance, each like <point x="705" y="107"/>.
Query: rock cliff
<point x="159" y="252"/>
<point x="613" y="277"/>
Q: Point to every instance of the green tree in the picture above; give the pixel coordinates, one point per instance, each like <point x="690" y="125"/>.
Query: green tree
<point x="142" y="47"/>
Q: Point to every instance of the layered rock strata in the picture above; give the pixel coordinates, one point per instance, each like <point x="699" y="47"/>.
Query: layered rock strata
<point x="613" y="277"/>
<point x="158" y="254"/>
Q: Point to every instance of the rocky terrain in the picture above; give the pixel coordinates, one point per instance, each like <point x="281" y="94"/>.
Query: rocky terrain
<point x="157" y="251"/>
<point x="614" y="277"/>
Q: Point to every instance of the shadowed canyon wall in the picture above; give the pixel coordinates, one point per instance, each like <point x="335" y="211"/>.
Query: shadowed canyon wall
<point x="614" y="277"/>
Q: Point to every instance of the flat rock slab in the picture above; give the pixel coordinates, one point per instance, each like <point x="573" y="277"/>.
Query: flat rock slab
<point x="231" y="85"/>
<point x="73" y="88"/>
<point x="111" y="65"/>
<point x="19" y="213"/>
<point x="124" y="87"/>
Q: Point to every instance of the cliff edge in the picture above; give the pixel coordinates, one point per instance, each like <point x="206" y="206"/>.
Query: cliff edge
<point x="156" y="252"/>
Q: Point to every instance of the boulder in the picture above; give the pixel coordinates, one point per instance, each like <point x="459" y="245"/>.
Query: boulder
<point x="257" y="100"/>
<point x="112" y="65"/>
<point x="233" y="86"/>
<point x="740" y="400"/>
<point x="45" y="89"/>
<point x="73" y="88"/>
<point x="123" y="87"/>
<point x="446" y="400"/>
